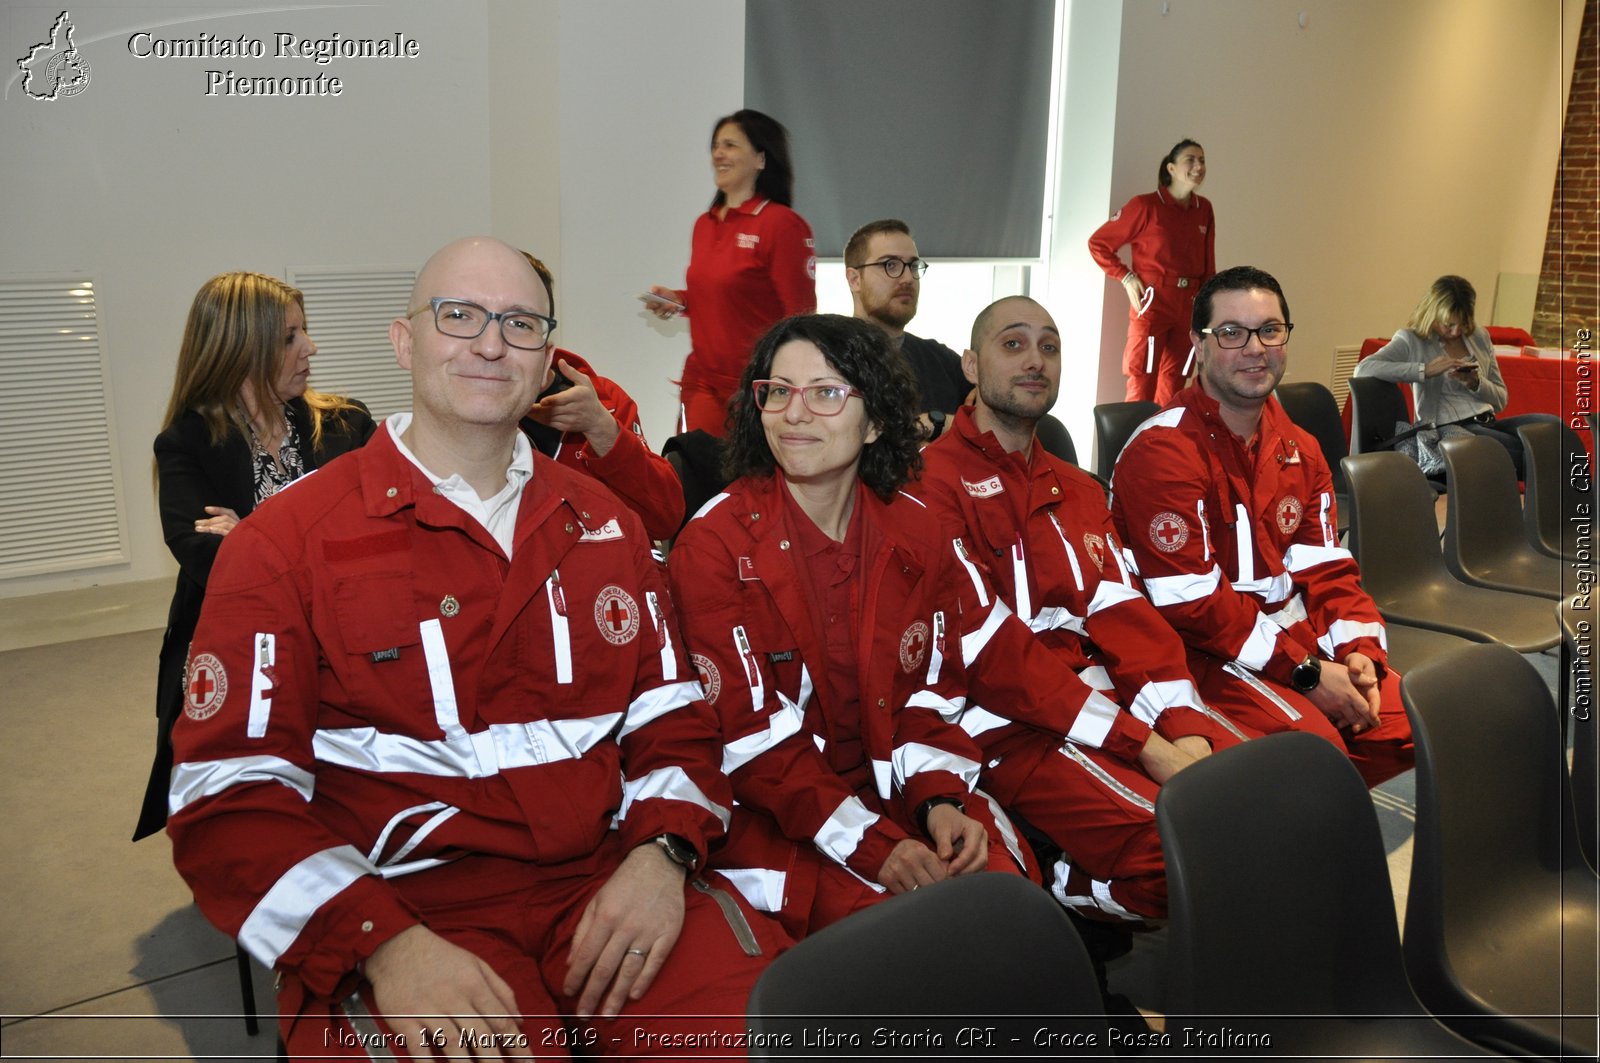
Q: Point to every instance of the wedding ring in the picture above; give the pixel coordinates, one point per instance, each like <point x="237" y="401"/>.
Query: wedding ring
<point x="636" y="952"/>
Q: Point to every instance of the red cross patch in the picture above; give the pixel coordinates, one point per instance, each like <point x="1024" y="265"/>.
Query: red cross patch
<point x="914" y="646"/>
<point x="1096" y="548"/>
<point x="205" y="687"/>
<point x="616" y="614"/>
<point x="1168" y="531"/>
<point x="710" y="679"/>
<point x="1288" y="514"/>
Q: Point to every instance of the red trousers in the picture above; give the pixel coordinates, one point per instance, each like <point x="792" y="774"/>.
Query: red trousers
<point x="520" y="919"/>
<point x="1158" y="345"/>
<point x="703" y="407"/>
<point x="1268" y="707"/>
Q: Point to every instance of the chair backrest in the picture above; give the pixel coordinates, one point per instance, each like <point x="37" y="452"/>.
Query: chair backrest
<point x="697" y="459"/>
<point x="1278" y="892"/>
<point x="941" y="958"/>
<point x="1312" y="406"/>
<point x="1394" y="534"/>
<point x="1114" y="422"/>
<point x="1483" y="510"/>
<point x="1055" y="438"/>
<point x="1558" y="479"/>
<point x="1376" y="406"/>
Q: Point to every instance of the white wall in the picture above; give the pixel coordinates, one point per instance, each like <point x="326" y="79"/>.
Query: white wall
<point x="1356" y="159"/>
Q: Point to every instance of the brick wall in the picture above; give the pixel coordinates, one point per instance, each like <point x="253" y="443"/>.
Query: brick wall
<point x="1569" y="277"/>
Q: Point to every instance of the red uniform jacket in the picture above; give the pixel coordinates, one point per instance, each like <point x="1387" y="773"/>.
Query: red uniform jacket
<point x="1045" y="534"/>
<point x="640" y="477"/>
<point x="746" y="272"/>
<point x="375" y="689"/>
<point x="1169" y="241"/>
<point x="749" y="625"/>
<point x="1238" y="548"/>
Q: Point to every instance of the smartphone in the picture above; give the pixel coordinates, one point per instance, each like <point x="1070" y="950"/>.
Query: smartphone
<point x="652" y="297"/>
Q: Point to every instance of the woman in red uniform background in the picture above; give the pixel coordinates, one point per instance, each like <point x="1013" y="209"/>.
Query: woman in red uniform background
<point x="752" y="262"/>
<point x="1174" y="238"/>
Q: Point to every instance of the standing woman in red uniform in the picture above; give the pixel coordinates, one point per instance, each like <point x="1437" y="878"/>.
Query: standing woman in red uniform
<point x="1174" y="239"/>
<point x="752" y="262"/>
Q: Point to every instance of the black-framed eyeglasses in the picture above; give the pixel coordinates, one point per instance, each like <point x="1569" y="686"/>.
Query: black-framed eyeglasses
<point x="824" y="400"/>
<point x="896" y="266"/>
<point x="522" y="329"/>
<point x="1232" y="337"/>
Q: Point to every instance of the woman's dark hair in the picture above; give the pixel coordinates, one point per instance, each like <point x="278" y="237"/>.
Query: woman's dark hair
<point x="1172" y="157"/>
<point x="860" y="353"/>
<point x="766" y="135"/>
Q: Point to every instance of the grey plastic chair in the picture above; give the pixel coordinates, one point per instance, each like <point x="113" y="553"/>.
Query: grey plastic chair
<point x="1312" y="406"/>
<point x="990" y="951"/>
<point x="1055" y="438"/>
<point x="1114" y="422"/>
<point x="1501" y="917"/>
<point x="1483" y="538"/>
<point x="1558" y="479"/>
<point x="1376" y="407"/>
<point x="1395" y="536"/>
<point x="1280" y="910"/>
<point x="1410" y="646"/>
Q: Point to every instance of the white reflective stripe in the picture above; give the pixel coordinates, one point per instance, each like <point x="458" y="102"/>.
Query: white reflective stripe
<point x="1258" y="647"/>
<point x="443" y="685"/>
<point x="558" y="630"/>
<point x="973" y="643"/>
<point x="653" y="704"/>
<point x="1116" y="555"/>
<point x="1072" y="556"/>
<point x="762" y="887"/>
<point x="1245" y="546"/>
<point x="1269" y="589"/>
<point x="977" y="719"/>
<point x="1106" y="779"/>
<point x="972" y="571"/>
<point x="294" y="900"/>
<point x="949" y="709"/>
<point x="1128" y="561"/>
<point x="394" y="866"/>
<point x="936" y="651"/>
<point x="502" y="746"/>
<point x="1019" y="579"/>
<point x="669" y="659"/>
<point x="1157" y="696"/>
<point x="1008" y="833"/>
<point x="669" y="784"/>
<point x="1149" y="355"/>
<point x="843" y="831"/>
<point x="1342" y="632"/>
<point x="1290" y="613"/>
<point x="1103" y="898"/>
<point x="1093" y="722"/>
<point x="1205" y="529"/>
<point x="1055" y="617"/>
<point x="780" y="725"/>
<point x="1183" y="588"/>
<point x="375" y="855"/>
<point x="912" y="498"/>
<point x="1110" y="593"/>
<point x="914" y="758"/>
<point x="752" y="669"/>
<point x="196" y="779"/>
<point x="1254" y="682"/>
<point x="1300" y="557"/>
<point x="883" y="778"/>
<point x="266" y="657"/>
<point x="1096" y="677"/>
<point x="711" y="503"/>
<point x="1330" y="531"/>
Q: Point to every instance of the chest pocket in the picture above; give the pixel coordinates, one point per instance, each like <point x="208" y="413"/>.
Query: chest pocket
<point x="383" y="668"/>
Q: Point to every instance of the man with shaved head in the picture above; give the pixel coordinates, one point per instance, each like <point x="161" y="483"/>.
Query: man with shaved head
<point x="1040" y="528"/>
<point x="443" y="765"/>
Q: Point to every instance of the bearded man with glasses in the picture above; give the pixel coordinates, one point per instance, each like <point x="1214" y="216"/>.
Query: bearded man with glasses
<point x="885" y="278"/>
<point x="1226" y="508"/>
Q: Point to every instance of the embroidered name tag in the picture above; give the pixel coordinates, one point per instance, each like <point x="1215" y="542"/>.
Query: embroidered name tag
<point x="991" y="486"/>
<point x="609" y="530"/>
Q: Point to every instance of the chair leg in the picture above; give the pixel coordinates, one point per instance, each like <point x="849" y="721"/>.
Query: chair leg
<point x="247" y="991"/>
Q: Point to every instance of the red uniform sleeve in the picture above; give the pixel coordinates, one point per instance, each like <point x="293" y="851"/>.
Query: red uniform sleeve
<point x="794" y="265"/>
<point x="1160" y="497"/>
<point x="1211" y="243"/>
<point x="643" y="479"/>
<point x="1124" y="226"/>
<point x="773" y="763"/>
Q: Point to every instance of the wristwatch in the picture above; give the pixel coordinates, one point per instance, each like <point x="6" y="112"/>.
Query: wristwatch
<point x="1307" y="674"/>
<point x="678" y="850"/>
<point x="936" y="418"/>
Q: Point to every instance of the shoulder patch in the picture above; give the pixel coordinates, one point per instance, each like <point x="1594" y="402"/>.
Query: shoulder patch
<point x="710" y="680"/>
<point x="1095" y="547"/>
<point x="914" y="646"/>
<point x="616" y="614"/>
<point x="1168" y="531"/>
<point x="1288" y="514"/>
<point x="205" y="687"/>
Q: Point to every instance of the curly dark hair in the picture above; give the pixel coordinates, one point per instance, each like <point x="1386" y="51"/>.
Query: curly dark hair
<point x="860" y="353"/>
